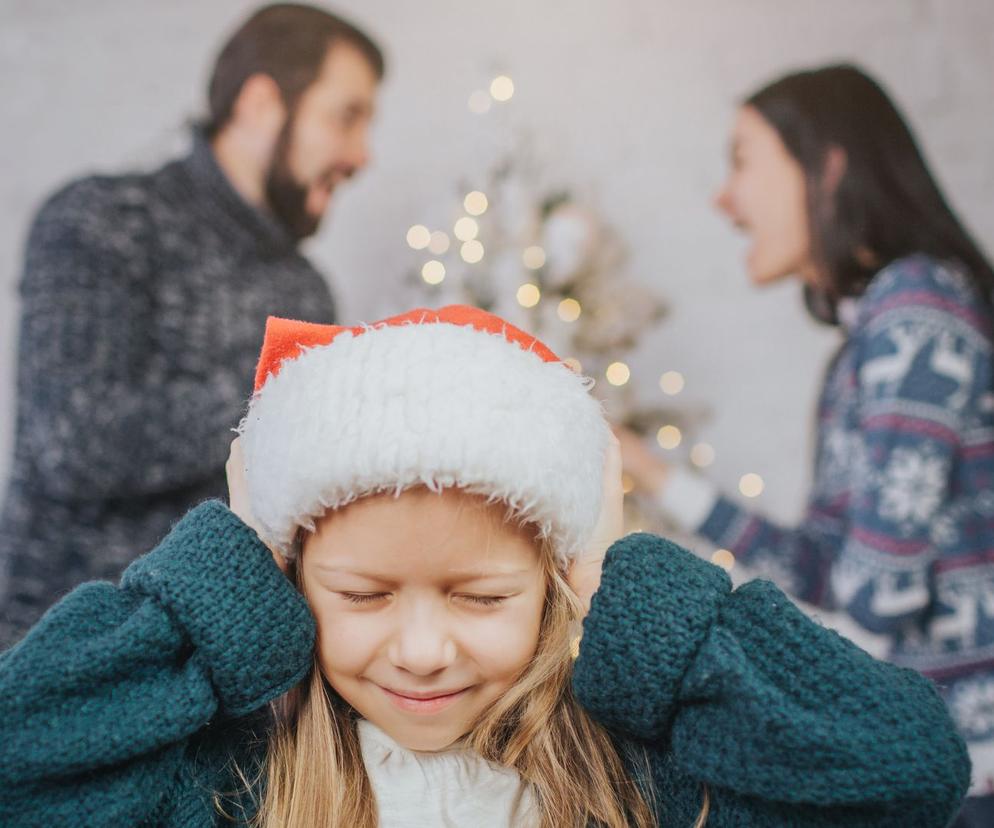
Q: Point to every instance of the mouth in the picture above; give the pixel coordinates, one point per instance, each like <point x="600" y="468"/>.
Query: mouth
<point x="324" y="189"/>
<point x="319" y="198"/>
<point x="330" y="179"/>
<point x="744" y="228"/>
<point x="423" y="702"/>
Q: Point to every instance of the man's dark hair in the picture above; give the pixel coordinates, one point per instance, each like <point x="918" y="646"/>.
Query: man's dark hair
<point x="288" y="42"/>
<point x="886" y="203"/>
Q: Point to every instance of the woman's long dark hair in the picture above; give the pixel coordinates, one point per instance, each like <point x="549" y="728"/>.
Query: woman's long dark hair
<point x="886" y="204"/>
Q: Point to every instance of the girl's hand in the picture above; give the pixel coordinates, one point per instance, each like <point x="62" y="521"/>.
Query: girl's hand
<point x="585" y="573"/>
<point x="238" y="496"/>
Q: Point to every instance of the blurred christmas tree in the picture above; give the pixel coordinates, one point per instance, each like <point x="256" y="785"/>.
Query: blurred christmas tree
<point x="544" y="260"/>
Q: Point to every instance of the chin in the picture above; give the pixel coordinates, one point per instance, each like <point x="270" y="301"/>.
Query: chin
<point x="425" y="740"/>
<point x="762" y="276"/>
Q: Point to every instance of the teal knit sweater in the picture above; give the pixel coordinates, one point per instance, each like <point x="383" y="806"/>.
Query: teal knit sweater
<point x="125" y="704"/>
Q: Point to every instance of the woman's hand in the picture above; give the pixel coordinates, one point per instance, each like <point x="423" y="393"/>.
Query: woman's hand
<point x="585" y="573"/>
<point x="646" y="469"/>
<point x="238" y="496"/>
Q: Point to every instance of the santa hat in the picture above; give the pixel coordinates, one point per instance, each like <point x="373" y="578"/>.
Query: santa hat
<point x="449" y="398"/>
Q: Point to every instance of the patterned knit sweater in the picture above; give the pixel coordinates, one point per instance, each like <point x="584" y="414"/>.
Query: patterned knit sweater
<point x="142" y="305"/>
<point x="899" y="530"/>
<point x="125" y="705"/>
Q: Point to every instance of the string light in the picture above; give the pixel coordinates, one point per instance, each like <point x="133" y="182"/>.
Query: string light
<point x="669" y="437"/>
<point x="574" y="363"/>
<point x="618" y="373"/>
<point x="502" y="88"/>
<point x="475" y="203"/>
<point x="569" y="310"/>
<point x="671" y="383"/>
<point x="724" y="559"/>
<point x="471" y="251"/>
<point x="528" y="295"/>
<point x="479" y="102"/>
<point x="466" y="229"/>
<point x="702" y="455"/>
<point x="418" y="237"/>
<point x="751" y="485"/>
<point x="533" y="257"/>
<point x="439" y="242"/>
<point x="433" y="272"/>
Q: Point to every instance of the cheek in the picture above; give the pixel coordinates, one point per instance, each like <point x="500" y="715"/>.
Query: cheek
<point x="777" y="218"/>
<point x="346" y="642"/>
<point x="789" y="219"/>
<point x="502" y="646"/>
<point x="313" y="150"/>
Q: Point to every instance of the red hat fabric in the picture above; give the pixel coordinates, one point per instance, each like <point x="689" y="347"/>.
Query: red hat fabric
<point x="287" y="338"/>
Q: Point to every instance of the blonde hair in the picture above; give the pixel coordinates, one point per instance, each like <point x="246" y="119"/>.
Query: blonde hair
<point x="314" y="772"/>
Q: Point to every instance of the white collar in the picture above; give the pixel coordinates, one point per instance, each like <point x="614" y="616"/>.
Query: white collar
<point x="847" y="312"/>
<point x="452" y="788"/>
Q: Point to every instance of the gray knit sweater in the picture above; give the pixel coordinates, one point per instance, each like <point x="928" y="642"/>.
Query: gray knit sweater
<point x="143" y="301"/>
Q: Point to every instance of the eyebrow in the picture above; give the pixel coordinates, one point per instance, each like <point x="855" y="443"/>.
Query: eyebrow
<point x="457" y="574"/>
<point x="359" y="108"/>
<point x="479" y="574"/>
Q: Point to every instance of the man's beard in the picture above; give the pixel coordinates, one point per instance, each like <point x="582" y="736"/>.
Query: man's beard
<point x="287" y="197"/>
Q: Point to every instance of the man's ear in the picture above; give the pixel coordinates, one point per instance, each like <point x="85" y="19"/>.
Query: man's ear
<point x="259" y="105"/>
<point x="836" y="163"/>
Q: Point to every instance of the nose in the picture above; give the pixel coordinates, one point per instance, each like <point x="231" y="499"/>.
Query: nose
<point x="423" y="643"/>
<point x="359" y="154"/>
<point x="722" y="201"/>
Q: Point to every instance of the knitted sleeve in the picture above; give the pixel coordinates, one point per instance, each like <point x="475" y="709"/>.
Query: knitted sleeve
<point x="99" y="703"/>
<point x="103" y="410"/>
<point x="918" y="453"/>
<point x="798" y="557"/>
<point x="785" y="722"/>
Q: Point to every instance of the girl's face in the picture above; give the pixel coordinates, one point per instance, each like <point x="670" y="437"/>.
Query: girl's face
<point x="765" y="195"/>
<point x="428" y="608"/>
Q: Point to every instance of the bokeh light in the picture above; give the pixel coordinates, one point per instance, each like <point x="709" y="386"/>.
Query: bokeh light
<point x="475" y="203"/>
<point x="669" y="437"/>
<point x="433" y="272"/>
<point x="418" y="237"/>
<point x="618" y="373"/>
<point x="528" y="295"/>
<point x="751" y="485"/>
<point x="671" y="382"/>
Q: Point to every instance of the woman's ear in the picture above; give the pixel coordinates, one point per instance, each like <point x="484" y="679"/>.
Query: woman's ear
<point x="836" y="163"/>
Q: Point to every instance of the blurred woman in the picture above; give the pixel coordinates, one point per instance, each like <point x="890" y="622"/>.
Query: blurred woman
<point x="830" y="185"/>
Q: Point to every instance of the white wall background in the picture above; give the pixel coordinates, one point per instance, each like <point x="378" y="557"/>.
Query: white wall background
<point x="636" y="97"/>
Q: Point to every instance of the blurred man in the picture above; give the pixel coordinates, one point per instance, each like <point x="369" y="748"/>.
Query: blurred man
<point x="144" y="299"/>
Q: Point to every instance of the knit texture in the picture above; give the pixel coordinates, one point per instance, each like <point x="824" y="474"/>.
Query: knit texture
<point x="118" y="708"/>
<point x="785" y="722"/>
<point x="143" y="302"/>
<point x="900" y="524"/>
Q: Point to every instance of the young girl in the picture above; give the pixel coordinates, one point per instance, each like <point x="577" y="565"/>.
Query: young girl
<point x="440" y="493"/>
<point x="831" y="188"/>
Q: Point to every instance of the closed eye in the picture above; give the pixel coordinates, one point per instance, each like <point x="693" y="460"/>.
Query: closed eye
<point x="372" y="597"/>
<point x="484" y="600"/>
<point x="363" y="597"/>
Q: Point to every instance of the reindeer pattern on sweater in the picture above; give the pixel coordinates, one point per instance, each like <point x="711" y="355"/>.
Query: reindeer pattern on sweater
<point x="899" y="528"/>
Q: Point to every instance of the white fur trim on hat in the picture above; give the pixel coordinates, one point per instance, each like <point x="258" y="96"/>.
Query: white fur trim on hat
<point x="439" y="404"/>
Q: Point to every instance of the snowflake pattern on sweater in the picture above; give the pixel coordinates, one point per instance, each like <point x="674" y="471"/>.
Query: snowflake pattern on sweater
<point x="899" y="529"/>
